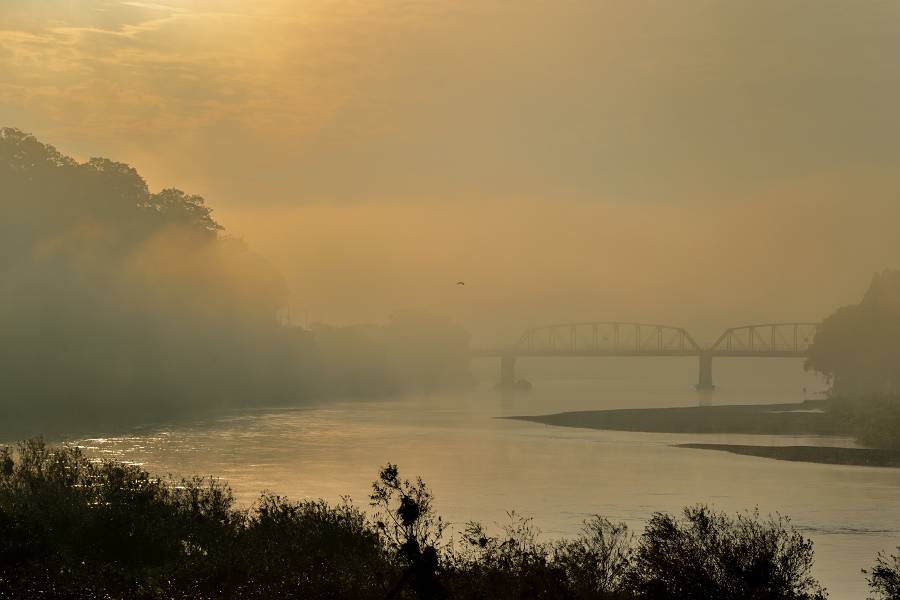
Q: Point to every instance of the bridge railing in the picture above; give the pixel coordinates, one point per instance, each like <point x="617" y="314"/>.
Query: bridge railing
<point x="642" y="339"/>
<point x="616" y="338"/>
<point x="766" y="339"/>
<point x="613" y="337"/>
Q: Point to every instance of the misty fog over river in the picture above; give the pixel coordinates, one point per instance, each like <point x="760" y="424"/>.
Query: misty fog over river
<point x="480" y="466"/>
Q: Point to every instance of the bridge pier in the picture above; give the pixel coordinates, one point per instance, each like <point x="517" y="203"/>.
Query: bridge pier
<point x="507" y="371"/>
<point x="705" y="380"/>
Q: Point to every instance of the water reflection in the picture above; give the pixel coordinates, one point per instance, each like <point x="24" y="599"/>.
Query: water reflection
<point x="481" y="466"/>
<point x="705" y="397"/>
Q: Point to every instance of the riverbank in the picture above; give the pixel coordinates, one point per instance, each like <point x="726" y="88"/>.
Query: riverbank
<point x="807" y="418"/>
<point x="810" y="418"/>
<point x="827" y="455"/>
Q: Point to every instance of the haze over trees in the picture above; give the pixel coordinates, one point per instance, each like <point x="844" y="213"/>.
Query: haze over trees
<point x="857" y="346"/>
<point x="118" y="304"/>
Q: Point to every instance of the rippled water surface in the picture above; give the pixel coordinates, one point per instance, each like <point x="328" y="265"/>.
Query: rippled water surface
<point x="480" y="466"/>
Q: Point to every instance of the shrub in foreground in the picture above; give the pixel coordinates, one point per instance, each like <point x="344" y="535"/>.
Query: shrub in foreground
<point x="884" y="578"/>
<point x="74" y="528"/>
<point x="706" y="554"/>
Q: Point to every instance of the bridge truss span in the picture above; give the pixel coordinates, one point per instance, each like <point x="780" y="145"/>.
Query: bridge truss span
<point x="617" y="338"/>
<point x="788" y="340"/>
<point x="609" y="338"/>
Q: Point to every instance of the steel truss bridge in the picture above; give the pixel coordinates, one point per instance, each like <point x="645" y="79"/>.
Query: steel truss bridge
<point x="614" y="338"/>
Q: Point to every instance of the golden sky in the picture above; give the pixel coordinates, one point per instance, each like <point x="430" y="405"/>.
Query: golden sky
<point x="699" y="162"/>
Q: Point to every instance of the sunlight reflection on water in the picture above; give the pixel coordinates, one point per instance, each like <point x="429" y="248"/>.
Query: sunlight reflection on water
<point x="480" y="466"/>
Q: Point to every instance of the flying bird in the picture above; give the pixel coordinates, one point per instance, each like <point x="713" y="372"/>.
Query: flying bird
<point x="460" y="283"/>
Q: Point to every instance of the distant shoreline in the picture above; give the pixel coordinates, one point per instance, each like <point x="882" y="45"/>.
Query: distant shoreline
<point x="826" y="455"/>
<point x="806" y="418"/>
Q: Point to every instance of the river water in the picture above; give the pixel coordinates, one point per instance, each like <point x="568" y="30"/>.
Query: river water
<point x="480" y="466"/>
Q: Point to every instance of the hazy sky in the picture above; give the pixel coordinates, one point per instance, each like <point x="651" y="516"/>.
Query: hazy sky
<point x="701" y="163"/>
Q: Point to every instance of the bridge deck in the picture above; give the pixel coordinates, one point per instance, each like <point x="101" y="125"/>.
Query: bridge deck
<point x="621" y="339"/>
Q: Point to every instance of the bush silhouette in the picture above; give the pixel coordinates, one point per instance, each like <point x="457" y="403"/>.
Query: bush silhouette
<point x="707" y="554"/>
<point x="884" y="578"/>
<point x="74" y="528"/>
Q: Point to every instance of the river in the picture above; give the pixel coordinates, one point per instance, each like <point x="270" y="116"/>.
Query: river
<point x="479" y="467"/>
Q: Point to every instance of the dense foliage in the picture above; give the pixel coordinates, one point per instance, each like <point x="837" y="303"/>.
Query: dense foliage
<point x="856" y="347"/>
<point x="709" y="555"/>
<point x="884" y="578"/>
<point x="71" y="527"/>
<point x="119" y="304"/>
<point x="874" y="421"/>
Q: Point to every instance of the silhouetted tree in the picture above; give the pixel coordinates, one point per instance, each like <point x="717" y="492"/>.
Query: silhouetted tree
<point x="119" y="304"/>
<point x="74" y="528"/>
<point x="514" y="564"/>
<point x="311" y="549"/>
<point x="707" y="554"/>
<point x="597" y="562"/>
<point x="856" y="347"/>
<point x="179" y="208"/>
<point x="884" y="577"/>
<point x="408" y="523"/>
